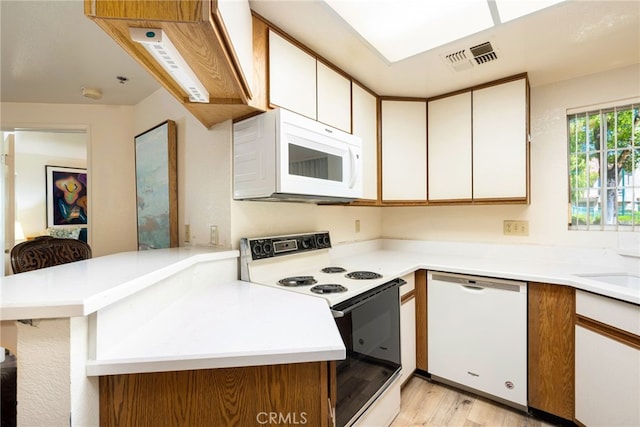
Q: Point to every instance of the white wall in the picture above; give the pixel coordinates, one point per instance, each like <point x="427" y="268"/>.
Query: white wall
<point x="204" y="168"/>
<point x="204" y="178"/>
<point x="204" y="175"/>
<point x="112" y="214"/>
<point x="548" y="212"/>
<point x="205" y="188"/>
<point x="251" y="218"/>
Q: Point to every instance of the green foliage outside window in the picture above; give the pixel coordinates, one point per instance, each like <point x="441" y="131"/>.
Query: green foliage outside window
<point x="604" y="174"/>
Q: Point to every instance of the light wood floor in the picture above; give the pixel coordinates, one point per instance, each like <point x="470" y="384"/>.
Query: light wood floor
<point x="426" y="403"/>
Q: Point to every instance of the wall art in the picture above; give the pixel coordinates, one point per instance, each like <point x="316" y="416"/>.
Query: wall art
<point x="156" y="187"/>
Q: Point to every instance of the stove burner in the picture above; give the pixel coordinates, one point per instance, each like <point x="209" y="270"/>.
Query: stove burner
<point x="333" y="270"/>
<point x="328" y="289"/>
<point x="298" y="281"/>
<point x="363" y="275"/>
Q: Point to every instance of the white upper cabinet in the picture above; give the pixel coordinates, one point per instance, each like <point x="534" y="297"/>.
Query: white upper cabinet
<point x="298" y="82"/>
<point x="449" y="148"/>
<point x="478" y="145"/>
<point x="292" y="77"/>
<point x="404" y="150"/>
<point x="500" y="143"/>
<point x="365" y="125"/>
<point x="334" y="98"/>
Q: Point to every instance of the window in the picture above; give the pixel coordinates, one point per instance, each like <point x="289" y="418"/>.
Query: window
<point x="604" y="168"/>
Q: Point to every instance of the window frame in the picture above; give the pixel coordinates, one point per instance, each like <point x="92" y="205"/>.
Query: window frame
<point x="599" y="150"/>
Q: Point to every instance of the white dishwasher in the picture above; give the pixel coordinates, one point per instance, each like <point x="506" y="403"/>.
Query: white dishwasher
<point x="477" y="335"/>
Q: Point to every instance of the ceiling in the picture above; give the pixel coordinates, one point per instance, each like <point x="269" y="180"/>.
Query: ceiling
<point x="50" y="50"/>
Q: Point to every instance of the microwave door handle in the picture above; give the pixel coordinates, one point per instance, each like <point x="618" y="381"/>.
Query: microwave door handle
<point x="354" y="171"/>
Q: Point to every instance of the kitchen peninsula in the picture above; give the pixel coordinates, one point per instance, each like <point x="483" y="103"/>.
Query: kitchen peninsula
<point x="183" y="312"/>
<point x="166" y="310"/>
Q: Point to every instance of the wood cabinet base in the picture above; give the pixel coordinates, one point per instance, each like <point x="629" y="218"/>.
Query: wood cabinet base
<point x="293" y="394"/>
<point x="551" y="349"/>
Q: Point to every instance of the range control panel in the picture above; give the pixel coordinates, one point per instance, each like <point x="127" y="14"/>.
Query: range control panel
<point x="269" y="247"/>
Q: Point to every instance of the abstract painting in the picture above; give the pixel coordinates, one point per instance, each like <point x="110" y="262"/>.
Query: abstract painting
<point x="156" y="187"/>
<point x="66" y="196"/>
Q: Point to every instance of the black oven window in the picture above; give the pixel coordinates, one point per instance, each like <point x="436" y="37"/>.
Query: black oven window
<point x="371" y="334"/>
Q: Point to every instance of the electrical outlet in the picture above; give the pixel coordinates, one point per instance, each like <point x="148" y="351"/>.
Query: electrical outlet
<point x="515" y="227"/>
<point x="187" y="233"/>
<point x="357" y="225"/>
<point x="213" y="235"/>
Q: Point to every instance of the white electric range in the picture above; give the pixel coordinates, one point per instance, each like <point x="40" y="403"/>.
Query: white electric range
<point x="365" y="305"/>
<point x="301" y="263"/>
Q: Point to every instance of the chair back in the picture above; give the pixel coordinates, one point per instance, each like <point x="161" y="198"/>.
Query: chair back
<point x="46" y="251"/>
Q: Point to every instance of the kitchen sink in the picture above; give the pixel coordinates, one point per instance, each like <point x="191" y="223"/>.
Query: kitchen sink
<point x="625" y="280"/>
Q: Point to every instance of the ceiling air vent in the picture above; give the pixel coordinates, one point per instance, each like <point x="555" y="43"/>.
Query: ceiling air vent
<point x="459" y="60"/>
<point x="472" y="57"/>
<point x="483" y="53"/>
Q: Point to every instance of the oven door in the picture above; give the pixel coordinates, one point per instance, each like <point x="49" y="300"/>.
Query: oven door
<point x="322" y="162"/>
<point x="369" y="325"/>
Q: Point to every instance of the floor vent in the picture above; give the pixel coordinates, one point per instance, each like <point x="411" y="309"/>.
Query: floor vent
<point x="465" y="59"/>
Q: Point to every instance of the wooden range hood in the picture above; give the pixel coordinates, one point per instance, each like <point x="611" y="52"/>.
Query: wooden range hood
<point x="197" y="30"/>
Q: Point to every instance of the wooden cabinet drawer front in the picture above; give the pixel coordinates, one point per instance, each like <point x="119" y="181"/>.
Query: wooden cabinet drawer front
<point x="619" y="314"/>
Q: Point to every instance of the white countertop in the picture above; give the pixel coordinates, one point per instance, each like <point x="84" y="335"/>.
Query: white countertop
<point x="215" y="324"/>
<point x="394" y="258"/>
<point x="83" y="287"/>
<point x="227" y="325"/>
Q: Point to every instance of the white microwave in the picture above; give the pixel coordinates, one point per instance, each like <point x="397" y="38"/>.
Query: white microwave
<point x="281" y="155"/>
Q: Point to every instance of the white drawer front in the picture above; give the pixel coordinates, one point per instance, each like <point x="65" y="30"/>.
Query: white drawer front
<point x="619" y="314"/>
<point x="411" y="284"/>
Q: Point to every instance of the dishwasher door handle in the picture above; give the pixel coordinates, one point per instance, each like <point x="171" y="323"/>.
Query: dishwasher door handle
<point x="479" y="284"/>
<point x="473" y="288"/>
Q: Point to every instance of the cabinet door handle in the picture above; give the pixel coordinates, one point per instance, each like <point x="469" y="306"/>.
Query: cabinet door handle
<point x="355" y="171"/>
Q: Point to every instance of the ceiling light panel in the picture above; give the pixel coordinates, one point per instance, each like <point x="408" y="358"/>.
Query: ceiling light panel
<point x="512" y="9"/>
<point x="398" y="29"/>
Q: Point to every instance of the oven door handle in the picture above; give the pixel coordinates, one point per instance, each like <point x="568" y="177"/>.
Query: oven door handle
<point x="375" y="293"/>
<point x="347" y="310"/>
<point x="337" y="313"/>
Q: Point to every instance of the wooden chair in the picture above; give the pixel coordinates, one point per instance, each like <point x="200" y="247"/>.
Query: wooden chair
<point x="46" y="251"/>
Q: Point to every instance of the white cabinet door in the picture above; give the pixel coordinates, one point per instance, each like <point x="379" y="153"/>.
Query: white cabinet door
<point x="334" y="98"/>
<point x="408" y="338"/>
<point x="237" y="22"/>
<point x="449" y="148"/>
<point x="365" y="125"/>
<point x="607" y="381"/>
<point x="292" y="77"/>
<point x="404" y="150"/>
<point x="500" y="141"/>
<point x="408" y="327"/>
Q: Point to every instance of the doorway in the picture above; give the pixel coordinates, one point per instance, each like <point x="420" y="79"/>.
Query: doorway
<point x="30" y="154"/>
